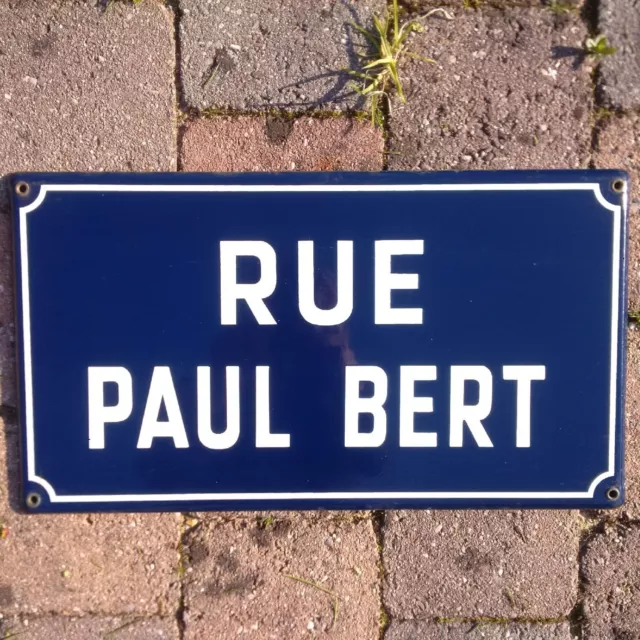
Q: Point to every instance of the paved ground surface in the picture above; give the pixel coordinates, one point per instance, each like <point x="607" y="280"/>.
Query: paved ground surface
<point x="233" y="85"/>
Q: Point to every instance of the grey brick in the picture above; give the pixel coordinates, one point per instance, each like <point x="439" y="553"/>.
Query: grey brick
<point x="89" y="628"/>
<point x="7" y="316"/>
<point x="496" y="97"/>
<point x="420" y="7"/>
<point x="619" y="148"/>
<point x="411" y="630"/>
<point x="619" y="20"/>
<point x="293" y="579"/>
<point x="271" y="52"/>
<point x="480" y="563"/>
<point x="631" y="506"/>
<point x="611" y="569"/>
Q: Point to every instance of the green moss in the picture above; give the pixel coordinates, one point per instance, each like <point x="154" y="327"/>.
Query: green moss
<point x="560" y="8"/>
<point x="383" y="620"/>
<point x="281" y="114"/>
<point x="486" y="620"/>
<point x="267" y="523"/>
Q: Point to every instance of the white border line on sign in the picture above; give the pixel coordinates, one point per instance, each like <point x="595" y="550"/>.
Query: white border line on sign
<point x="335" y="495"/>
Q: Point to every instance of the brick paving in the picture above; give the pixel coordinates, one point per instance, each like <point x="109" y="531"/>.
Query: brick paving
<point x="7" y="333"/>
<point x="222" y="85"/>
<point x="612" y="573"/>
<point x="476" y="631"/>
<point x="73" y="564"/>
<point x="617" y="145"/>
<point x="284" y="579"/>
<point x="498" y="564"/>
<point x="85" y="628"/>
<point x="499" y="95"/>
<point x="620" y="20"/>
<point x="631" y="507"/>
<point x="249" y="55"/>
<point x="278" y="144"/>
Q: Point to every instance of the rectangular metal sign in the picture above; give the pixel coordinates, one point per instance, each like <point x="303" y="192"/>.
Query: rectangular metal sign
<point x="294" y="341"/>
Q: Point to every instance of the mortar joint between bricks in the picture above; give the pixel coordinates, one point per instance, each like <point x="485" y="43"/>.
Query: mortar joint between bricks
<point x="415" y="8"/>
<point x="384" y="619"/>
<point x="89" y="613"/>
<point x="182" y="559"/>
<point x="594" y="527"/>
<point x="180" y="104"/>
<point x="274" y="112"/>
<point x="499" y="621"/>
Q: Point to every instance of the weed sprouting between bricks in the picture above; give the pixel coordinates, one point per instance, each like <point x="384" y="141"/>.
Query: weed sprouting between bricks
<point x="379" y="75"/>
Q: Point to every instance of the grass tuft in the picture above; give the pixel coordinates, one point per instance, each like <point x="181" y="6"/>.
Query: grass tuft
<point x="598" y="46"/>
<point x="379" y="76"/>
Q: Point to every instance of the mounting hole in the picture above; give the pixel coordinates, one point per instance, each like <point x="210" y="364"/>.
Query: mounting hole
<point x="613" y="493"/>
<point x="618" y="185"/>
<point x="22" y="188"/>
<point x="34" y="500"/>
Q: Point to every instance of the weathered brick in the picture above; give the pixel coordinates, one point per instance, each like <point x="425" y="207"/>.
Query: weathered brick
<point x="503" y="93"/>
<point x="480" y="563"/>
<point x="619" y="20"/>
<point x="611" y="568"/>
<point x="84" y="88"/>
<point x="272" y="144"/>
<point x="80" y="563"/>
<point x="411" y="630"/>
<point x="7" y="317"/>
<point x="619" y="148"/>
<point x="297" y="578"/>
<point x="88" y="628"/>
<point x="420" y="7"/>
<point x="632" y="425"/>
<point x="246" y="54"/>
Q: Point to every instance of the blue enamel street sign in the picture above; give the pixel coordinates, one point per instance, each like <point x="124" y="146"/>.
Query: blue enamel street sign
<point x="298" y="341"/>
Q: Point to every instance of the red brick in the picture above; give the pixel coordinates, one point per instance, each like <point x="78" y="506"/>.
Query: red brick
<point x="246" y="579"/>
<point x="272" y="144"/>
<point x="80" y="563"/>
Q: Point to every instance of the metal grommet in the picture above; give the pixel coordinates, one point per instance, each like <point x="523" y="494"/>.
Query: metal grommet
<point x="23" y="188"/>
<point x="34" y="500"/>
<point x="613" y="493"/>
<point x="618" y="185"/>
